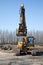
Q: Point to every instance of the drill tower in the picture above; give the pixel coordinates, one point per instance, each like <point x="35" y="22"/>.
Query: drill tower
<point x="22" y="30"/>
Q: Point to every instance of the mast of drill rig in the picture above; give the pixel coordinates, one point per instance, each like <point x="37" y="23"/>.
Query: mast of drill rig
<point x="22" y="30"/>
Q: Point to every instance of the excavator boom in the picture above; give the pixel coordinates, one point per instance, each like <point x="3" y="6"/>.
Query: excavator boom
<point x="22" y="30"/>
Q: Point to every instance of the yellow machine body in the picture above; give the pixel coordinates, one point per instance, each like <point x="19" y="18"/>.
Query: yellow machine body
<point x="25" y="42"/>
<point x="19" y="45"/>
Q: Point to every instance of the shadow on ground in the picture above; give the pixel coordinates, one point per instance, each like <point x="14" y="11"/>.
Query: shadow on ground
<point x="29" y="53"/>
<point x="37" y="54"/>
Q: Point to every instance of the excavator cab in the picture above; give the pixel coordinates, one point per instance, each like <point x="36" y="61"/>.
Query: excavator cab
<point x="30" y="41"/>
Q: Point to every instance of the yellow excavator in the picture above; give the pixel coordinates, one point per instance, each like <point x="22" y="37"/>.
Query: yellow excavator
<point x="25" y="44"/>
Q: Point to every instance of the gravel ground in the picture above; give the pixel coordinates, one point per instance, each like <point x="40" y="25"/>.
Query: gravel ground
<point x="9" y="59"/>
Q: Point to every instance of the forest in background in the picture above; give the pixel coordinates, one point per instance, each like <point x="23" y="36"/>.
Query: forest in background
<point x="10" y="37"/>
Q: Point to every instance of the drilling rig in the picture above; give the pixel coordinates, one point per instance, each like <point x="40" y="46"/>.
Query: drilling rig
<point x="24" y="43"/>
<point x="22" y="30"/>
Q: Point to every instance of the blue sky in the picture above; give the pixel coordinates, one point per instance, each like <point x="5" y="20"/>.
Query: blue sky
<point x="10" y="17"/>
